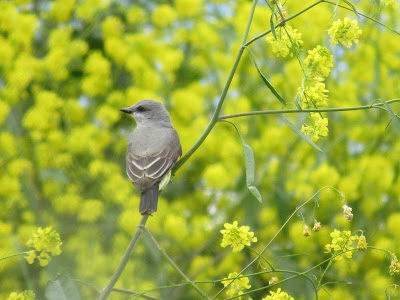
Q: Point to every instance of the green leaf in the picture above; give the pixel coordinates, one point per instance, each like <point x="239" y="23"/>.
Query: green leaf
<point x="250" y="166"/>
<point x="392" y="114"/>
<point x="267" y="83"/>
<point x="300" y="134"/>
<point x="62" y="288"/>
<point x="352" y="7"/>
<point x="271" y="22"/>
<point x="250" y="170"/>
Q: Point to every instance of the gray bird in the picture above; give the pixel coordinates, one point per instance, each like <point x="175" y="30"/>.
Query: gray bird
<point x="153" y="149"/>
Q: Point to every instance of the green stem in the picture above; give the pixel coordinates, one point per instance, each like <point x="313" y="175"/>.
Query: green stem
<point x="13" y="255"/>
<point x="289" y="111"/>
<point x="176" y="268"/>
<point x="283" y="22"/>
<point x="323" y="274"/>
<point x="107" y="290"/>
<point x="215" y="116"/>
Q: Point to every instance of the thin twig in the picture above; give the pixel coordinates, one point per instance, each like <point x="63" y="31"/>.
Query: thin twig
<point x="107" y="290"/>
<point x="291" y="111"/>
<point x="176" y="268"/>
<point x="215" y="116"/>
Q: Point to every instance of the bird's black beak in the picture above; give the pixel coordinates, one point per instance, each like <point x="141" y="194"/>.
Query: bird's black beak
<point x="127" y="110"/>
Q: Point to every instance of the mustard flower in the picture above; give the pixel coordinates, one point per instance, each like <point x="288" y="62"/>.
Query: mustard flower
<point x="318" y="129"/>
<point x="342" y="241"/>
<point x="394" y="268"/>
<point x="273" y="280"/>
<point x="287" y="41"/>
<point x="237" y="286"/>
<point x="237" y="237"/>
<point x="361" y="242"/>
<point x="391" y="3"/>
<point x="319" y="62"/>
<point x="46" y="242"/>
<point x="345" y="32"/>
<point x="306" y="231"/>
<point x="25" y="295"/>
<point x="347" y="212"/>
<point x="315" y="95"/>
<point x="278" y="295"/>
<point x="317" y="226"/>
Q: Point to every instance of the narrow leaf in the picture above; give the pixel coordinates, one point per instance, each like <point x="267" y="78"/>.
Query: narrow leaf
<point x="250" y="166"/>
<point x="352" y="7"/>
<point x="267" y="83"/>
<point x="250" y="170"/>
<point x="62" y="288"/>
<point x="300" y="134"/>
<point x="271" y="21"/>
<point x="392" y="115"/>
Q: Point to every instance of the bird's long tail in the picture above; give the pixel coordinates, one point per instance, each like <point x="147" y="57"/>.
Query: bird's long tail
<point x="149" y="201"/>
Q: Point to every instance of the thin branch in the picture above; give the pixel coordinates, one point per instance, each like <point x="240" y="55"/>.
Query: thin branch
<point x="176" y="268"/>
<point x="107" y="290"/>
<point x="215" y="116"/>
<point x="128" y="292"/>
<point x="289" y="111"/>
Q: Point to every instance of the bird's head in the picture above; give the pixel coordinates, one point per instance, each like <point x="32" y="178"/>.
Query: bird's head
<point x="148" y="111"/>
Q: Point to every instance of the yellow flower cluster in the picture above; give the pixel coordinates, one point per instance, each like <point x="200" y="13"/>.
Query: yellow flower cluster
<point x="345" y="32"/>
<point x="342" y="242"/>
<point x="318" y="128"/>
<point x="318" y="63"/>
<point x="317" y="67"/>
<point x="278" y="295"/>
<point x="237" y="286"/>
<point x="394" y="268"/>
<point x="46" y="243"/>
<point x="392" y="3"/>
<point x="288" y="41"/>
<point x="237" y="237"/>
<point x="25" y="295"/>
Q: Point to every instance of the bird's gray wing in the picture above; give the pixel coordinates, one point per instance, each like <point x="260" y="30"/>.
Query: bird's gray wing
<point x="145" y="171"/>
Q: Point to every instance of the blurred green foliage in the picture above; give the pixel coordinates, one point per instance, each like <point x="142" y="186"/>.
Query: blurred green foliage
<point x="67" y="66"/>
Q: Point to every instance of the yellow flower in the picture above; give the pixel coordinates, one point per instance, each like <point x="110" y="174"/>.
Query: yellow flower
<point x="61" y="10"/>
<point x="394" y="268"/>
<point x="237" y="286"/>
<point x="278" y="295"/>
<point x="288" y="41"/>
<point x="112" y="27"/>
<point x="318" y="128"/>
<point x="361" y="242"/>
<point x="391" y="3"/>
<point x="163" y="15"/>
<point x="342" y="241"/>
<point x="347" y="212"/>
<point x="237" y="237"/>
<point x="317" y="226"/>
<point x="306" y="231"/>
<point x="319" y="62"/>
<point x="188" y="8"/>
<point x="46" y="242"/>
<point x="345" y="32"/>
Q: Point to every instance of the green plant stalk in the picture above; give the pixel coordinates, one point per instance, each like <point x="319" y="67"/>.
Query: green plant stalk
<point x="173" y="265"/>
<point x="13" y="255"/>
<point x="323" y="274"/>
<point x="215" y="116"/>
<point x="289" y="111"/>
<point x="107" y="290"/>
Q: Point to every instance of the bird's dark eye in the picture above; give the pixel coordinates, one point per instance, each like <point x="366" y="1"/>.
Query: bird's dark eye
<point x="141" y="108"/>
